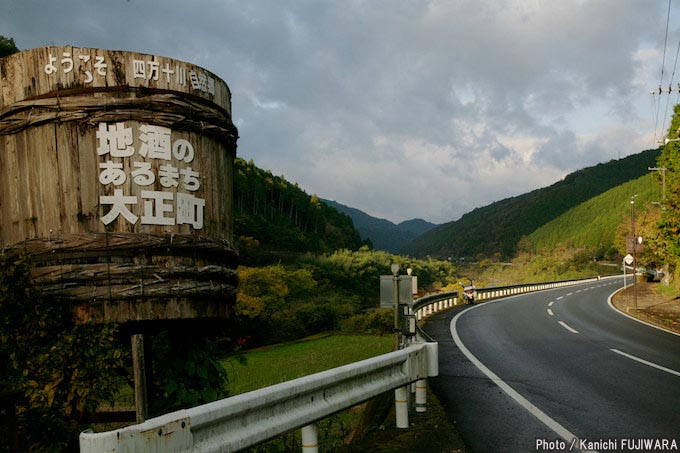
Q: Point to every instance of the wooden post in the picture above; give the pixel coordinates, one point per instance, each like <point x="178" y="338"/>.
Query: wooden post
<point x="139" y="372"/>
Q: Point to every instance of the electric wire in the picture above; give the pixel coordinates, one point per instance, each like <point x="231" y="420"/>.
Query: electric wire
<point x="670" y="88"/>
<point x="663" y="63"/>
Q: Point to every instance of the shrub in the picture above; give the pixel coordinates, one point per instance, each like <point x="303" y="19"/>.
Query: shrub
<point x="60" y="371"/>
<point x="379" y="322"/>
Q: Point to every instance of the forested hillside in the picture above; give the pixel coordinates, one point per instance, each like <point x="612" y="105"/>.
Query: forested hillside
<point x="274" y="215"/>
<point x="599" y="224"/>
<point x="383" y="234"/>
<point x="496" y="229"/>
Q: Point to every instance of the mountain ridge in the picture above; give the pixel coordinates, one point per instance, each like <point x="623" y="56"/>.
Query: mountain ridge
<point x="497" y="228"/>
<point x="383" y="234"/>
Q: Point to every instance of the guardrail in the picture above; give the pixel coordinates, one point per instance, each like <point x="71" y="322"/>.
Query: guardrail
<point x="250" y="418"/>
<point x="434" y="303"/>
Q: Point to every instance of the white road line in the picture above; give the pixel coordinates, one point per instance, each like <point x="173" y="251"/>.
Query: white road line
<point x="551" y="303"/>
<point x="569" y="294"/>
<point x="570" y="329"/>
<point x="550" y="312"/>
<point x="533" y="410"/>
<point x="611" y="305"/>
<point x="652" y="364"/>
<point x="560" y="298"/>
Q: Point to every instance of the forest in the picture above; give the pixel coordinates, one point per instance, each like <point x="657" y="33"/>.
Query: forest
<point x="504" y="223"/>
<point x="273" y="217"/>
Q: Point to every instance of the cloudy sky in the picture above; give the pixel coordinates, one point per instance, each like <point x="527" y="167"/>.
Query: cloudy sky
<point x="404" y="109"/>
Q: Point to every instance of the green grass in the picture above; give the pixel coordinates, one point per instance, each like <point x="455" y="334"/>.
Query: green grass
<point x="273" y="365"/>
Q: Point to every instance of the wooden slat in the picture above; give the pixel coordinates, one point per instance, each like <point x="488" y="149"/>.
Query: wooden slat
<point x="50" y="189"/>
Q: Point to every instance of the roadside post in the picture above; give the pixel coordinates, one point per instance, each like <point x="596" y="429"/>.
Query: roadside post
<point x="396" y="292"/>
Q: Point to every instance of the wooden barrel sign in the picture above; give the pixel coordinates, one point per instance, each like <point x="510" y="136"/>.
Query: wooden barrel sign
<point x="116" y="181"/>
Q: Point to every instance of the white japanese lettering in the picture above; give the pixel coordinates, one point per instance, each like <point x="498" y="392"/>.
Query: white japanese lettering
<point x="116" y="139"/>
<point x="155" y="142"/>
<point x="190" y="210"/>
<point x="118" y="204"/>
<point x="155" y="207"/>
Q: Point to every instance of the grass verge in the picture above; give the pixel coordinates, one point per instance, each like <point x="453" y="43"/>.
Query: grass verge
<point x="275" y="364"/>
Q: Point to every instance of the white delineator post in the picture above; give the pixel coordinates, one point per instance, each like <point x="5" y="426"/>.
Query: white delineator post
<point x="421" y="395"/>
<point x="401" y="406"/>
<point x="310" y="439"/>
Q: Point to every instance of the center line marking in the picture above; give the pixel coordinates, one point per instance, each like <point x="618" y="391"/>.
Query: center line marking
<point x="550" y="312"/>
<point x="551" y="303"/>
<point x="652" y="364"/>
<point x="570" y="329"/>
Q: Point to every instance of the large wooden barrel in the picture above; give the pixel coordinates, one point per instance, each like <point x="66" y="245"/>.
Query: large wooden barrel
<point x="116" y="180"/>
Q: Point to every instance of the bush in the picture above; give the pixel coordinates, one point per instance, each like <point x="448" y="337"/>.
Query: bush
<point x="377" y="322"/>
<point x="186" y="372"/>
<point x="60" y="371"/>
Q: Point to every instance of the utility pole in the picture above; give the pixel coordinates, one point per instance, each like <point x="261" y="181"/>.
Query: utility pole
<point x="397" y="330"/>
<point x="632" y="227"/>
<point x="662" y="171"/>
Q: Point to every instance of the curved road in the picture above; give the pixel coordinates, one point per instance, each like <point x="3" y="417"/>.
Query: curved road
<point x="558" y="370"/>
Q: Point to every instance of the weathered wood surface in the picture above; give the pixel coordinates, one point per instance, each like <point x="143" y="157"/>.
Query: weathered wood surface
<point x="23" y="75"/>
<point x="174" y="110"/>
<point x="110" y="276"/>
<point x="53" y="101"/>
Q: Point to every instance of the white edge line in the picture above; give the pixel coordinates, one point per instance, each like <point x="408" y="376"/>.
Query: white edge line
<point x="652" y="364"/>
<point x="535" y="411"/>
<point x="611" y="305"/>
<point x="570" y="329"/>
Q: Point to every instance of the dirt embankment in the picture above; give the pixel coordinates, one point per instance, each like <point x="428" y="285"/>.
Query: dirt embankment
<point x="652" y="306"/>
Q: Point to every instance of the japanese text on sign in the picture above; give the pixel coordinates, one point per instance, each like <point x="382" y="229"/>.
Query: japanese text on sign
<point x="141" y="69"/>
<point x="158" y="207"/>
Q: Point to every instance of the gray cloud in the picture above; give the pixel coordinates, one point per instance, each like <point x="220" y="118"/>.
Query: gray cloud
<point x="402" y="109"/>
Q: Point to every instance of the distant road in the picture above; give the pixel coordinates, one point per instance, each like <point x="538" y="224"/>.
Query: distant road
<point x="523" y="371"/>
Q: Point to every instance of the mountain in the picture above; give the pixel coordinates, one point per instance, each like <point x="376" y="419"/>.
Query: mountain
<point x="496" y="229"/>
<point x="383" y="234"/>
<point x="416" y="226"/>
<point x="595" y="224"/>
<point x="273" y="217"/>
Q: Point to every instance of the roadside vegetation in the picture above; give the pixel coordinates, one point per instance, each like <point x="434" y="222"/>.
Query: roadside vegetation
<point x="253" y="370"/>
<point x="309" y="294"/>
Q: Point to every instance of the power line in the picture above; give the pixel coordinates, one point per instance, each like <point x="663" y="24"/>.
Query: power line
<point x="663" y="64"/>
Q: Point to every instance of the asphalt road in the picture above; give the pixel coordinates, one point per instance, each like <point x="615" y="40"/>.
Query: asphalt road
<point x="558" y="366"/>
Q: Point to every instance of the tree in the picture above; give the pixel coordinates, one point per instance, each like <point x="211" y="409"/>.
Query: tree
<point x="7" y="46"/>
<point x="669" y="225"/>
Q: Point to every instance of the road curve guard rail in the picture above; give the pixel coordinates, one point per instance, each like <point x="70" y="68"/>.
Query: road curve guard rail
<point x="250" y="418"/>
<point x="434" y="303"/>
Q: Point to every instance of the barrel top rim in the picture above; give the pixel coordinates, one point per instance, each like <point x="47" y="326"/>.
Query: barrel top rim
<point x="71" y="46"/>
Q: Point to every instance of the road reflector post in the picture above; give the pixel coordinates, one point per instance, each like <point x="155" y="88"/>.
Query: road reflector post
<point x="401" y="406"/>
<point x="421" y="395"/>
<point x="310" y="439"/>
